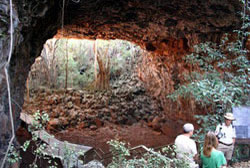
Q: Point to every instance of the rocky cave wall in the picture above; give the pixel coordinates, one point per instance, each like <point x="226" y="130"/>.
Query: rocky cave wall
<point x="34" y="23"/>
<point x="165" y="27"/>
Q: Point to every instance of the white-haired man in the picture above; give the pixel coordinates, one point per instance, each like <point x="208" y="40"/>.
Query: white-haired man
<point x="225" y="133"/>
<point x="185" y="146"/>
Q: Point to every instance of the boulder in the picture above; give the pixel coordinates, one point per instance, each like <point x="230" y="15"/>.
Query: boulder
<point x="98" y="123"/>
<point x="54" y="122"/>
<point x="156" y="123"/>
<point x="93" y="164"/>
<point x="93" y="127"/>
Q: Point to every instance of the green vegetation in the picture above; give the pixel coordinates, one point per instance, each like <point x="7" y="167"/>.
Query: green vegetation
<point x="221" y="79"/>
<point x="41" y="150"/>
<point x="40" y="121"/>
<point x="77" y="59"/>
<point x="123" y="157"/>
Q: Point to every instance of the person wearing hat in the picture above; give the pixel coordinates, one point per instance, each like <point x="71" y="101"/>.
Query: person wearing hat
<point x="225" y="133"/>
<point x="185" y="146"/>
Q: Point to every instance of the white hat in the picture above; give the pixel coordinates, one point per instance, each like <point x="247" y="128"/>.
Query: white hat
<point x="188" y="127"/>
<point x="229" y="116"/>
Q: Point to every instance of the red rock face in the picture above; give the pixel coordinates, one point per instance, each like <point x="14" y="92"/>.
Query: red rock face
<point x="163" y="72"/>
<point x="154" y="25"/>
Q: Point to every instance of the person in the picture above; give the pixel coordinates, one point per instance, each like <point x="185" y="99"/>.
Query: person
<point x="210" y="156"/>
<point x="185" y="146"/>
<point x="225" y="133"/>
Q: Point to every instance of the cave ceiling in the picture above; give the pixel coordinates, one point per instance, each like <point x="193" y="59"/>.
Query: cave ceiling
<point x="150" y="23"/>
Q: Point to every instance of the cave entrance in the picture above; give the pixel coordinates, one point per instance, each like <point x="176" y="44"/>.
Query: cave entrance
<point x="81" y="82"/>
<point x="82" y="64"/>
<point x="65" y="82"/>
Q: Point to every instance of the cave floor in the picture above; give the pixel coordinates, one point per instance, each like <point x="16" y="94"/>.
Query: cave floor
<point x="134" y="135"/>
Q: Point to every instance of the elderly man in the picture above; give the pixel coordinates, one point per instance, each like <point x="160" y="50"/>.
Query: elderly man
<point x="225" y="133"/>
<point x="185" y="146"/>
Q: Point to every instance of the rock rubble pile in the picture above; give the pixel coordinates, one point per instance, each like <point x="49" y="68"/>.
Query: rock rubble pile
<point x="125" y="104"/>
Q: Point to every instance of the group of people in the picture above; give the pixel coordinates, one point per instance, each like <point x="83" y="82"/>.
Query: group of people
<point x="217" y="148"/>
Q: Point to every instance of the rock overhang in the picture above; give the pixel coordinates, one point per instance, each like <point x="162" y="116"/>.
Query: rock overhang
<point x="149" y="23"/>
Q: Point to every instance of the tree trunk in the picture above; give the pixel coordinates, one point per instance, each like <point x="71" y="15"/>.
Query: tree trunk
<point x="66" y="68"/>
<point x="103" y="76"/>
<point x="95" y="64"/>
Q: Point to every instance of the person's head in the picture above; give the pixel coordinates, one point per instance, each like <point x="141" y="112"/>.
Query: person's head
<point x="188" y="128"/>
<point x="229" y="118"/>
<point x="209" y="143"/>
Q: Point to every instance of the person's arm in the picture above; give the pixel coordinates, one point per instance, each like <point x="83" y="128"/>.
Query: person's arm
<point x="196" y="157"/>
<point x="194" y="152"/>
<point x="234" y="135"/>
<point x="221" y="161"/>
<point x="194" y="148"/>
<point x="233" y="141"/>
<point x="217" y="129"/>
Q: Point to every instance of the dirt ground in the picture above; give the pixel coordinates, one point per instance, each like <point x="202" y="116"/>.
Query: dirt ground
<point x="134" y="135"/>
